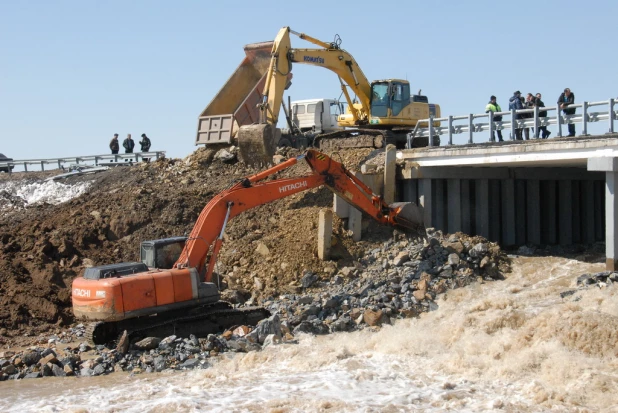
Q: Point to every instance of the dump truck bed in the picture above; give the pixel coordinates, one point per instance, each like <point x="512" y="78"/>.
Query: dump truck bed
<point x="235" y="104"/>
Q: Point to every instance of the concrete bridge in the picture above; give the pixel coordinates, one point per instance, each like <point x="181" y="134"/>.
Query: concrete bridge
<point x="558" y="191"/>
<point x="538" y="192"/>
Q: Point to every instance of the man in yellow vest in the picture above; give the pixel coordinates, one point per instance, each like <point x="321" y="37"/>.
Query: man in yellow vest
<point x="493" y="106"/>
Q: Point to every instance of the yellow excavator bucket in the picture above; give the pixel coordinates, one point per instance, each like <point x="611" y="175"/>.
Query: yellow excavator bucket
<point x="257" y="143"/>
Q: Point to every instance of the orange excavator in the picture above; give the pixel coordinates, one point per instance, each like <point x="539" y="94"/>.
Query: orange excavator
<point x="171" y="290"/>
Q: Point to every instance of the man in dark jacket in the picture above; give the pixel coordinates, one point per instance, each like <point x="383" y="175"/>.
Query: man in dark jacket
<point x="113" y="144"/>
<point x="567" y="98"/>
<point x="529" y="104"/>
<point x="542" y="114"/>
<point x="493" y="106"/>
<point x="516" y="103"/>
<point x="144" y="143"/>
<point x="128" y="144"/>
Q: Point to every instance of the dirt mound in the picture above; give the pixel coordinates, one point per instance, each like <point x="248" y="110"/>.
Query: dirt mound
<point x="44" y="247"/>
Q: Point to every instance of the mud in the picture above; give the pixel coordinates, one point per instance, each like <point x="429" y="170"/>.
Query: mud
<point x="44" y="247"/>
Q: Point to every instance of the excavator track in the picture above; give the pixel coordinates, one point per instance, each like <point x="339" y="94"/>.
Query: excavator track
<point x="199" y="321"/>
<point x="369" y="138"/>
<point x="353" y="138"/>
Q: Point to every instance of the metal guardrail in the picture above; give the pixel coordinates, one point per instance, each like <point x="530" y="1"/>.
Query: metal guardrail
<point x="84" y="160"/>
<point x="470" y="126"/>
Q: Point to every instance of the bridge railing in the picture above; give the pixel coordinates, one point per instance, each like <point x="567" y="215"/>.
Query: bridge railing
<point x="453" y="125"/>
<point x="96" y="160"/>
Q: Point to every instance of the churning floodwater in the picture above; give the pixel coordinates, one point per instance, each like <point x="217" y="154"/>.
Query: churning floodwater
<point x="504" y="346"/>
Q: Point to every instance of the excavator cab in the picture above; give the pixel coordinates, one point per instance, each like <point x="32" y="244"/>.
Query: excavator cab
<point x="389" y="94"/>
<point x="161" y="253"/>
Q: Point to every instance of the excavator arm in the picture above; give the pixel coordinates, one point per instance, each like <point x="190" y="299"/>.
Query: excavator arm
<point x="329" y="56"/>
<point x="254" y="191"/>
<point x="257" y="142"/>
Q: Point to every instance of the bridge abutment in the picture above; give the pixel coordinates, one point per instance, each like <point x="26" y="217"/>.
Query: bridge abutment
<point x="609" y="165"/>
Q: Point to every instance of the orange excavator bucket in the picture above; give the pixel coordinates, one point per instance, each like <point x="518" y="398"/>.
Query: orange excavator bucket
<point x="408" y="215"/>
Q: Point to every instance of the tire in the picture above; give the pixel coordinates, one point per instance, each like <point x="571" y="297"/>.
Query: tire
<point x="284" y="143"/>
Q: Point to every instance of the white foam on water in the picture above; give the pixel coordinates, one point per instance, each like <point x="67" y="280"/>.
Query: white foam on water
<point x="511" y="345"/>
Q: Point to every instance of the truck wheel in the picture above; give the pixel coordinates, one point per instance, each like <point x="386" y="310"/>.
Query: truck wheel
<point x="285" y="143"/>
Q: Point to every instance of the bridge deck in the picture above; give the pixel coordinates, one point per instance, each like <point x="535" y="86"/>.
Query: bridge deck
<point x="571" y="152"/>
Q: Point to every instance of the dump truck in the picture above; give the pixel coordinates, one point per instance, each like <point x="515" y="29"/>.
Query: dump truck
<point x="237" y="104"/>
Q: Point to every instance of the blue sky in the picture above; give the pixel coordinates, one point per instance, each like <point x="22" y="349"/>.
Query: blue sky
<point x="72" y="73"/>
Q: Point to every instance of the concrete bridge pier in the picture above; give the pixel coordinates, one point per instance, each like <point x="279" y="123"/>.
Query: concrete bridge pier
<point x="609" y="165"/>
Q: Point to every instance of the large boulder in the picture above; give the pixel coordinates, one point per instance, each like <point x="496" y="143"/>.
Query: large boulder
<point x="271" y="325"/>
<point x="315" y="327"/>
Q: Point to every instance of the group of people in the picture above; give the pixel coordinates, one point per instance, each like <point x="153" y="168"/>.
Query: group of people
<point x="128" y="144"/>
<point x="518" y="102"/>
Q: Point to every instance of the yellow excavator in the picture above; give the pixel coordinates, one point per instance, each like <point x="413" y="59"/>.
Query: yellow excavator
<point x="385" y="112"/>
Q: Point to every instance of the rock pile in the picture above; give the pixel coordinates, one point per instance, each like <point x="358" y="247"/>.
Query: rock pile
<point x="398" y="280"/>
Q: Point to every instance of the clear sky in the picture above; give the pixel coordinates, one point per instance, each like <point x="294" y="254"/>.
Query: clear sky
<point x="72" y="73"/>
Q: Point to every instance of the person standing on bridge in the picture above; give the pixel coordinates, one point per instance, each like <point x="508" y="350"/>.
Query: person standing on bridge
<point x="567" y="98"/>
<point x="516" y="103"/>
<point x="493" y="106"/>
<point x="529" y="104"/>
<point x="114" y="145"/>
<point x="128" y="144"/>
<point x="144" y="143"/>
<point x="542" y="114"/>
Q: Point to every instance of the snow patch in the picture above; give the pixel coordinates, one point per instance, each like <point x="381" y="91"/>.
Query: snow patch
<point x="18" y="195"/>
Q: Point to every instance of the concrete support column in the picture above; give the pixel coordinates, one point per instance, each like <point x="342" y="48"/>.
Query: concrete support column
<point x="520" y="212"/>
<point x="587" y="213"/>
<point x="610" y="166"/>
<point x="494" y="210"/>
<point x="466" y="216"/>
<point x="341" y="207"/>
<point x="410" y="190"/>
<point x="565" y="222"/>
<point x="453" y="192"/>
<point x="426" y="201"/>
<point x="508" y="212"/>
<point x="325" y="233"/>
<point x="440" y="205"/>
<point x="533" y="210"/>
<point x="549" y="210"/>
<point x="481" y="209"/>
<point x="390" y="167"/>
<point x="599" y="210"/>
<point x="374" y="181"/>
<point x="355" y="218"/>
<point x="611" y="221"/>
<point x="576" y="212"/>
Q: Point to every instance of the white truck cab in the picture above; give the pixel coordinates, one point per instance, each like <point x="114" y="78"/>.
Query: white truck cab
<point x="317" y="115"/>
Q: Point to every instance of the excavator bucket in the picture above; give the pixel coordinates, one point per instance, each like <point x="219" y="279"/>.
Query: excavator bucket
<point x="257" y="143"/>
<point x="408" y="215"/>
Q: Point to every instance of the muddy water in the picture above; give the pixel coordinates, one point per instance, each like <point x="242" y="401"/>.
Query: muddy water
<point x="511" y="346"/>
